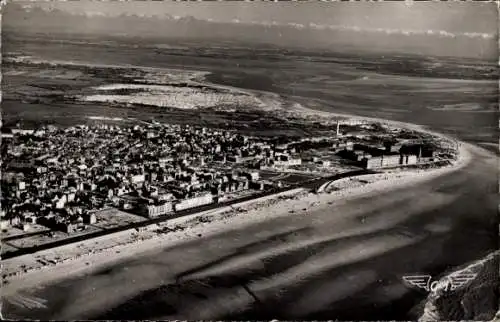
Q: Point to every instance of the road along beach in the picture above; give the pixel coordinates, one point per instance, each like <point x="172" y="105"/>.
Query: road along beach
<point x="35" y="269"/>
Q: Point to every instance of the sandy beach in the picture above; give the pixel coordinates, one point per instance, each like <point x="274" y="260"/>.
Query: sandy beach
<point x="108" y="250"/>
<point x="111" y="249"/>
<point x="334" y="216"/>
<point x="33" y="270"/>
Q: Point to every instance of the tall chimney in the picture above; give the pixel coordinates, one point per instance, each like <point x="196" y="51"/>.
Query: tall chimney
<point x="338" y="128"/>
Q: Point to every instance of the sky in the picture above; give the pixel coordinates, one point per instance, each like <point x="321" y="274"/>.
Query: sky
<point x="450" y="16"/>
<point x="460" y="21"/>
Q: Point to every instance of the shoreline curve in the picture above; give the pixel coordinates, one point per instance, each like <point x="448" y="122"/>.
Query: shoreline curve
<point x="122" y="252"/>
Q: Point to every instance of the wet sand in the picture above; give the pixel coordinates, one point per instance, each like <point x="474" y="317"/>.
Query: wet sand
<point x="301" y="266"/>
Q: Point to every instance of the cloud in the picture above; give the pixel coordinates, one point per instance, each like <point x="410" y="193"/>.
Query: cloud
<point x="478" y="35"/>
<point x="296" y="25"/>
<point x="388" y="31"/>
<point x="300" y="26"/>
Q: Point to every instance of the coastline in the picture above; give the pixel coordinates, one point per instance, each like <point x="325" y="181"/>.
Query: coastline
<point x="254" y="212"/>
<point x="146" y="242"/>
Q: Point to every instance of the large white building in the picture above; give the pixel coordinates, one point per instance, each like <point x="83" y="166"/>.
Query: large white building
<point x="152" y="211"/>
<point x="194" y="202"/>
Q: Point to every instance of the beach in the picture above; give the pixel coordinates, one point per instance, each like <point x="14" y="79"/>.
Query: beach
<point x="337" y="218"/>
<point x="121" y="246"/>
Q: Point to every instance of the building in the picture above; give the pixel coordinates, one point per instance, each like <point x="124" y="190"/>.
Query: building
<point x="392" y="147"/>
<point x="257" y="185"/>
<point x="68" y="227"/>
<point x="358" y="155"/>
<point x="341" y="145"/>
<point x="324" y="163"/>
<point x="285" y="160"/>
<point x="194" y="202"/>
<point x="153" y="211"/>
<point x="373" y="150"/>
<point x="233" y="158"/>
<point x="138" y="179"/>
<point x="384" y="161"/>
<point x="241" y="184"/>
<point x="4" y="224"/>
<point x="391" y="160"/>
<point x="219" y="158"/>
<point x="23" y="131"/>
<point x="252" y="176"/>
<point x="59" y="203"/>
<point x="89" y="219"/>
<point x="165" y="160"/>
<point x="422" y="151"/>
<point x="164" y="196"/>
<point x="409" y="159"/>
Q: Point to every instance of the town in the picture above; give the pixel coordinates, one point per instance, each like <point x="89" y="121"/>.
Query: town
<point x="58" y="182"/>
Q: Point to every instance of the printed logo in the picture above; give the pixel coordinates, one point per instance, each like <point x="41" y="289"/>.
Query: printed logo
<point x="447" y="284"/>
